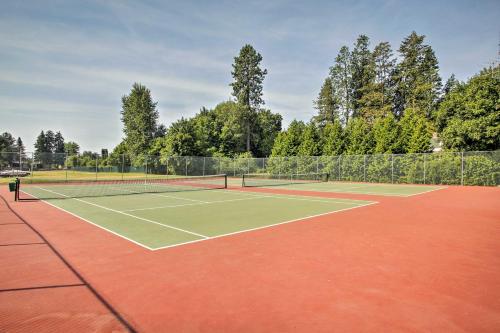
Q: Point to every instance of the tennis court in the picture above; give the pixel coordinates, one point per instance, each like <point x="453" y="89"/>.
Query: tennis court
<point x="163" y="213"/>
<point x="321" y="183"/>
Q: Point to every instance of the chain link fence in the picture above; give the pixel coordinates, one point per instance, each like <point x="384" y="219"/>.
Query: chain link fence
<point x="450" y="168"/>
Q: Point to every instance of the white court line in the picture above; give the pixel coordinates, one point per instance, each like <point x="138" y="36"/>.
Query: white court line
<point x="301" y="197"/>
<point x="204" y="237"/>
<point x="88" y="221"/>
<point x="161" y="195"/>
<point x="191" y="204"/>
<point x="126" y="214"/>
<point x="263" y="227"/>
<point x="434" y="189"/>
<point x="242" y="199"/>
<point x="343" y="190"/>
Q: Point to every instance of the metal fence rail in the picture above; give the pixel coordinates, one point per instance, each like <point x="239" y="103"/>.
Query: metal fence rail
<point x="453" y="168"/>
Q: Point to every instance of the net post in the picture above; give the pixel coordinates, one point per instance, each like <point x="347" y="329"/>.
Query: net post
<point x="16" y="192"/>
<point x="225" y="181"/>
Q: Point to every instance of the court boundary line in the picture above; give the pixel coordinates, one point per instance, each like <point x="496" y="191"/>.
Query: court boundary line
<point x="130" y="215"/>
<point x="360" y="185"/>
<point x="434" y="189"/>
<point x="94" y="224"/>
<point x="264" y="227"/>
<point x="300" y="197"/>
<point x="252" y="197"/>
<point x="386" y="194"/>
<point x="357" y="205"/>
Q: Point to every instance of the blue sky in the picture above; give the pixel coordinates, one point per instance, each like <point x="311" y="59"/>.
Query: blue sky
<point x="64" y="65"/>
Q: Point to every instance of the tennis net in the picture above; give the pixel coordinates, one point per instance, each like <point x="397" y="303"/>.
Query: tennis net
<point x="263" y="180"/>
<point x="101" y="188"/>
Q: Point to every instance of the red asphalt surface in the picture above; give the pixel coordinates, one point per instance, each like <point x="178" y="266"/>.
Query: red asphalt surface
<point x="430" y="262"/>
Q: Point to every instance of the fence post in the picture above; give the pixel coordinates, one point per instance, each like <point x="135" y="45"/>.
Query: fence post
<point x="462" y="175"/>
<point x="123" y="164"/>
<point x="96" y="166"/>
<point x="234" y="167"/>
<point x="166" y="172"/>
<point x="364" y="169"/>
<point x="279" y="167"/>
<point x="392" y="168"/>
<point x="146" y="163"/>
<point x="203" y="166"/>
<point x="248" y="165"/>
<point x="425" y="155"/>
<point x="31" y="166"/>
<point x="66" y="165"/>
<point x="340" y="169"/>
<point x="186" y="162"/>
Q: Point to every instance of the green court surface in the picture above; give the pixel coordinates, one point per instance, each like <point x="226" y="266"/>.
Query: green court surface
<point x="400" y="190"/>
<point x="160" y="220"/>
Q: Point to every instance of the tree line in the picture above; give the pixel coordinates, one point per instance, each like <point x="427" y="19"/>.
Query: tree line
<point x="371" y="102"/>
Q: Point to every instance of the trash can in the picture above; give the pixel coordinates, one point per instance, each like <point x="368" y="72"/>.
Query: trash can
<point x="13" y="187"/>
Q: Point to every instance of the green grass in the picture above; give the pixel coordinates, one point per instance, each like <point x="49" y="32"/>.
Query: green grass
<point x="160" y="220"/>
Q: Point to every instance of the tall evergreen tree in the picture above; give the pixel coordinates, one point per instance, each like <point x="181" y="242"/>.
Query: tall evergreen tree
<point x="363" y="71"/>
<point x="139" y="117"/>
<point x="40" y="146"/>
<point x="327" y="104"/>
<point x="247" y="85"/>
<point x="20" y="146"/>
<point x="7" y="142"/>
<point x="376" y="100"/>
<point x="287" y="143"/>
<point x="416" y="77"/>
<point x="386" y="135"/>
<point x="49" y="142"/>
<point x="309" y="145"/>
<point x="416" y="134"/>
<point x="359" y="137"/>
<point x="341" y="74"/>
<point x="332" y="139"/>
<point x="59" y="143"/>
<point x="384" y="68"/>
<point x="71" y="148"/>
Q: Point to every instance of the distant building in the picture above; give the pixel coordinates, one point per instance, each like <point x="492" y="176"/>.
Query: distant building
<point x="436" y="143"/>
